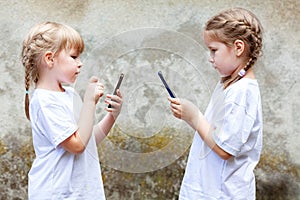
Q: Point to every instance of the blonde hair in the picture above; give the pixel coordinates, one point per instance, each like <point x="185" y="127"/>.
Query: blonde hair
<point x="47" y="36"/>
<point x="237" y="24"/>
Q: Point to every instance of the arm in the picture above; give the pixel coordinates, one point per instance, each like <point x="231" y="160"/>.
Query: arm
<point x="188" y="112"/>
<point x="102" y="129"/>
<point x="77" y="142"/>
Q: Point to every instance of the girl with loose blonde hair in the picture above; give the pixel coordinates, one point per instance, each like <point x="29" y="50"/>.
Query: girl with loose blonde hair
<point x="228" y="139"/>
<point x="63" y="131"/>
<point x="47" y="36"/>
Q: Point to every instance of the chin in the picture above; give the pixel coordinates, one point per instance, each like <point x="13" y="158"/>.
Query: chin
<point x="223" y="75"/>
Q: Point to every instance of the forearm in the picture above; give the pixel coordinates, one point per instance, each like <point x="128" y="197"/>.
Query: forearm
<point x="205" y="131"/>
<point x="102" y="129"/>
<point x="86" y="122"/>
<point x="187" y="111"/>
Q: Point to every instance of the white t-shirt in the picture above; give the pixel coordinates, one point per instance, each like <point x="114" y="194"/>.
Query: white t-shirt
<point x="236" y="115"/>
<point x="55" y="173"/>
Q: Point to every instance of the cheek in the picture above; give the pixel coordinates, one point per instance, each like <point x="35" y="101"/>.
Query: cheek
<point x="226" y="66"/>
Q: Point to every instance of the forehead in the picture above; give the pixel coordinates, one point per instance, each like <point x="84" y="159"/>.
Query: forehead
<point x="211" y="41"/>
<point x="71" y="51"/>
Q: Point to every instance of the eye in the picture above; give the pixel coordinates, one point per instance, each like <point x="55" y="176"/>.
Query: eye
<point x="74" y="57"/>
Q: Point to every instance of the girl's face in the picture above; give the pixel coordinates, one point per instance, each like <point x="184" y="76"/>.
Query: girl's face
<point x="67" y="65"/>
<point x="222" y="57"/>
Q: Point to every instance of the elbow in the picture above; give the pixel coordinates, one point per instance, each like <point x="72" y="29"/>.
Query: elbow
<point x="78" y="149"/>
<point x="225" y="156"/>
<point x="73" y="145"/>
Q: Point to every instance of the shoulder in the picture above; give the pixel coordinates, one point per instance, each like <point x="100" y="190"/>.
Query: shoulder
<point x="46" y="96"/>
<point x="42" y="98"/>
<point x="71" y="92"/>
<point x="244" y="94"/>
<point x="243" y="91"/>
<point x="69" y="89"/>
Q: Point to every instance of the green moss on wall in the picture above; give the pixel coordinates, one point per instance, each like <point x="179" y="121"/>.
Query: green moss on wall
<point x="277" y="177"/>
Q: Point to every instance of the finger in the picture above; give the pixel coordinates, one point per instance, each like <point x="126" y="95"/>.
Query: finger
<point x="114" y="101"/>
<point x="119" y="93"/>
<point x="176" y="113"/>
<point x="111" y="96"/>
<point x="115" y="107"/>
<point x="177" y="109"/>
<point x="175" y="106"/>
<point x="100" y="85"/>
<point x="110" y="102"/>
<point x="93" y="79"/>
<point x="108" y="109"/>
<point x="174" y="100"/>
<point x="99" y="92"/>
<point x="114" y="98"/>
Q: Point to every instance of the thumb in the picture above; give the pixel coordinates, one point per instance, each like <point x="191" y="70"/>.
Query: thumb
<point x="93" y="79"/>
<point x="174" y="100"/>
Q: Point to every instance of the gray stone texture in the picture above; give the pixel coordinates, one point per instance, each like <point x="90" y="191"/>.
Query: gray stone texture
<point x="139" y="38"/>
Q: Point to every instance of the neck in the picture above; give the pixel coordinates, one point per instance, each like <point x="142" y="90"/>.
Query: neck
<point x="53" y="86"/>
<point x="224" y="79"/>
<point x="250" y="73"/>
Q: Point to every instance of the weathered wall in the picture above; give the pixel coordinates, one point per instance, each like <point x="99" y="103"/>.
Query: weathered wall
<point x="140" y="38"/>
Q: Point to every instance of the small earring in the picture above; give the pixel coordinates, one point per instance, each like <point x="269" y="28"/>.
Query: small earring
<point x="242" y="72"/>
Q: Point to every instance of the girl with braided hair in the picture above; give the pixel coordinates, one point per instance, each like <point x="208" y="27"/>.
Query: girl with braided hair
<point x="63" y="131"/>
<point x="228" y="139"/>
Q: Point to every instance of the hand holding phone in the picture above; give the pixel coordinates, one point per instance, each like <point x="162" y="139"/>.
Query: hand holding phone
<point x="166" y="85"/>
<point x="117" y="86"/>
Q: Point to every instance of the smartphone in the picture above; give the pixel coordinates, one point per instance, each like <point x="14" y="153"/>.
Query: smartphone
<point x="117" y="86"/>
<point x="166" y="85"/>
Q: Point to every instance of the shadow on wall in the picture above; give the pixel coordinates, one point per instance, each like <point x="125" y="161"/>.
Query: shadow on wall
<point x="277" y="177"/>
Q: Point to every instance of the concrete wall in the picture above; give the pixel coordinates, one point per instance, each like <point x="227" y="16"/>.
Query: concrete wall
<point x="140" y="38"/>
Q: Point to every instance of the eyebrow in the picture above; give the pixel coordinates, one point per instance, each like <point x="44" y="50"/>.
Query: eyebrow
<point x="211" y="47"/>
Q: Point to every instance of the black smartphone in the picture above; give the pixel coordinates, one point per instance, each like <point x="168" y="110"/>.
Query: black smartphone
<point x="166" y="85"/>
<point x="117" y="86"/>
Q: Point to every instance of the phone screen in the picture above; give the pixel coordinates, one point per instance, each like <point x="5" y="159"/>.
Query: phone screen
<point x="117" y="86"/>
<point x="166" y="85"/>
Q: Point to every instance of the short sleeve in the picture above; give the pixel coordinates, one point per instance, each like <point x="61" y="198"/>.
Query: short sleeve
<point x="56" y="122"/>
<point x="239" y="117"/>
<point x="235" y="130"/>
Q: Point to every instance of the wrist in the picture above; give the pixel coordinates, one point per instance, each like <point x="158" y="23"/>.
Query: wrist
<point x="90" y="103"/>
<point x="197" y="121"/>
<point x="113" y="116"/>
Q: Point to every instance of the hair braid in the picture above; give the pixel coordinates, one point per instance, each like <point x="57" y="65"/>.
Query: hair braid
<point x="33" y="46"/>
<point x="30" y="72"/>
<point x="237" y="24"/>
<point x="46" y="36"/>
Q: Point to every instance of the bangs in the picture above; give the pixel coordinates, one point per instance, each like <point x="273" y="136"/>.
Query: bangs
<point x="212" y="34"/>
<point x="218" y="35"/>
<point x="71" y="39"/>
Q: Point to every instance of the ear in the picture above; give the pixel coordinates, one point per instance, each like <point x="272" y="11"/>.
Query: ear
<point x="239" y="47"/>
<point x="48" y="57"/>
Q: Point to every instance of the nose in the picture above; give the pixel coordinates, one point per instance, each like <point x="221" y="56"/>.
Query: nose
<point x="79" y="63"/>
<point x="210" y="56"/>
